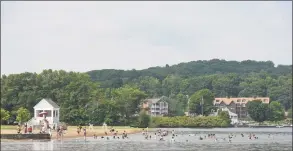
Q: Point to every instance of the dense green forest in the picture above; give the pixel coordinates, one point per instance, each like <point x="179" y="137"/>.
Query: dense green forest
<point x="115" y="95"/>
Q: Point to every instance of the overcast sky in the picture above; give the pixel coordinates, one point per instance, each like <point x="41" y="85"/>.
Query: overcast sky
<point x="82" y="36"/>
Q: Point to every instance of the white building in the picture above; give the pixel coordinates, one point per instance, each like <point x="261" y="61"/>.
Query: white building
<point x="48" y="106"/>
<point x="233" y="116"/>
<point x="157" y="107"/>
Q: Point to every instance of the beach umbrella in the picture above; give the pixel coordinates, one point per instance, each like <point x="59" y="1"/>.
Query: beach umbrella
<point x="43" y="112"/>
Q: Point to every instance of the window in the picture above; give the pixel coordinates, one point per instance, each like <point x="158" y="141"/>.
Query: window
<point x="238" y="100"/>
<point x="243" y="100"/>
<point x="54" y="113"/>
<point x="57" y="113"/>
<point x="38" y="113"/>
<point x="217" y="100"/>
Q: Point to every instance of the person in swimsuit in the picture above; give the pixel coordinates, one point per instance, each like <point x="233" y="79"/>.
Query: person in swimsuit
<point x="84" y="133"/>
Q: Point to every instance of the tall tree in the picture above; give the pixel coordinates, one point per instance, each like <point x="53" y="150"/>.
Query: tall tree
<point x="257" y="110"/>
<point x="23" y="115"/>
<point x="224" y="115"/>
<point x="4" y="115"/>
<point x="201" y="100"/>
<point x="143" y="119"/>
<point x="276" y="111"/>
<point x="128" y="100"/>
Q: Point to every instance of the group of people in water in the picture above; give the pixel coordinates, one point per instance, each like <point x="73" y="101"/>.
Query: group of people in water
<point x="111" y="132"/>
<point x="114" y="135"/>
<point x="163" y="133"/>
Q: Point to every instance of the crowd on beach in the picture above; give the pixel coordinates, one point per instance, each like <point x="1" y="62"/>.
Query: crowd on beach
<point x="43" y="130"/>
<point x="107" y="134"/>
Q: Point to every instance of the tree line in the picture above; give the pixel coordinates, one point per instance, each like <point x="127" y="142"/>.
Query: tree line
<point x="261" y="112"/>
<point x="115" y="96"/>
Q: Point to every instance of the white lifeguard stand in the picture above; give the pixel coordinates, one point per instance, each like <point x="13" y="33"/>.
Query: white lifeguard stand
<point x="51" y="109"/>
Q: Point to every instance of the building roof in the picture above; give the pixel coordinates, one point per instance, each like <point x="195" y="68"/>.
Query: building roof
<point x="52" y="103"/>
<point x="241" y="100"/>
<point x="49" y="101"/>
<point x="155" y="100"/>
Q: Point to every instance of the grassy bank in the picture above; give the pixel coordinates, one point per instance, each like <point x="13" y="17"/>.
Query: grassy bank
<point x="189" y="122"/>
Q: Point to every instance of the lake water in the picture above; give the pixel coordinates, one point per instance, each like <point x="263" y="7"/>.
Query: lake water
<point x="280" y="140"/>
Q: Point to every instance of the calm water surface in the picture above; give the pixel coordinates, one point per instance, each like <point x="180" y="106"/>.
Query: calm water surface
<point x="280" y="140"/>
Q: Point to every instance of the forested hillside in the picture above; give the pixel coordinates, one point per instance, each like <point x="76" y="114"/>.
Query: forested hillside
<point x="225" y="78"/>
<point x="113" y="95"/>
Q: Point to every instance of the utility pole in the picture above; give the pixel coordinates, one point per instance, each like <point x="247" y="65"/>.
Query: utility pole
<point x="188" y="110"/>
<point x="240" y="111"/>
<point x="202" y="105"/>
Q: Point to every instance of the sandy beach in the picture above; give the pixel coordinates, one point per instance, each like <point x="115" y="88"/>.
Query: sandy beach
<point x="71" y="131"/>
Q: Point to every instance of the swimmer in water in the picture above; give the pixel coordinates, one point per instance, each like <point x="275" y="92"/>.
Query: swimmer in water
<point x="173" y="140"/>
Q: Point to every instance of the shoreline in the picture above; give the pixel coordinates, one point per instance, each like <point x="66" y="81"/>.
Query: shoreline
<point x="70" y="134"/>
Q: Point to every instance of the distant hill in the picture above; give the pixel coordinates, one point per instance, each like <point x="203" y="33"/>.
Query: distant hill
<point x="194" y="68"/>
<point x="74" y="91"/>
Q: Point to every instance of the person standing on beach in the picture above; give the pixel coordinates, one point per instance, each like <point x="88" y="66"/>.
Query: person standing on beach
<point x="30" y="130"/>
<point x="49" y="131"/>
<point x="78" y="130"/>
<point x="60" y="132"/>
<point x="84" y="133"/>
<point x="25" y="128"/>
<point x="18" y="129"/>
